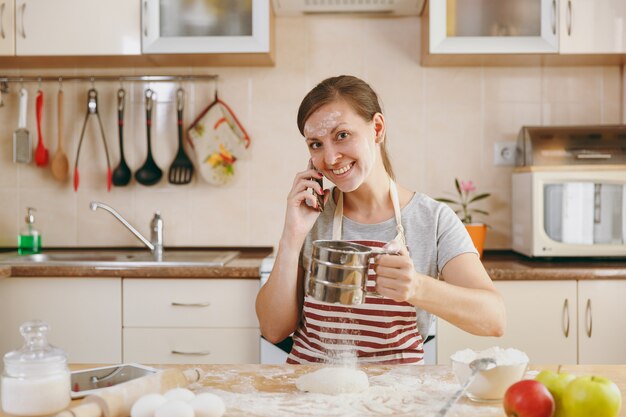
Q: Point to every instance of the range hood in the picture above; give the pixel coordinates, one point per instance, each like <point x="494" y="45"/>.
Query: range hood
<point x="390" y="7"/>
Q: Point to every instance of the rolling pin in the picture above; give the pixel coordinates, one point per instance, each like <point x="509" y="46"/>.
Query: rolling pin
<point x="116" y="401"/>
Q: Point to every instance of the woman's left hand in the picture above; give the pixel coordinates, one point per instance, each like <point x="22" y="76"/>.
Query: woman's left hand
<point x="396" y="276"/>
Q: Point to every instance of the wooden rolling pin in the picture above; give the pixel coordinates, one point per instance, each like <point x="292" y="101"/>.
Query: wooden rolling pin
<point x="116" y="401"/>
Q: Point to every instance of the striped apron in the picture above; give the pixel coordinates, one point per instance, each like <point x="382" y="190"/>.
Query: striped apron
<point x="380" y="330"/>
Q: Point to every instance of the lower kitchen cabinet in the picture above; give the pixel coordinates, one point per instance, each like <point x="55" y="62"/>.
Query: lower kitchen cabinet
<point x="191" y="321"/>
<point x="84" y="314"/>
<point x="541" y="321"/>
<point x="564" y="322"/>
<point x="602" y="322"/>
<point x="184" y="346"/>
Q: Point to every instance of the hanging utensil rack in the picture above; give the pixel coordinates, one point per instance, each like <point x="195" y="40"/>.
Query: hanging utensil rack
<point x="5" y="81"/>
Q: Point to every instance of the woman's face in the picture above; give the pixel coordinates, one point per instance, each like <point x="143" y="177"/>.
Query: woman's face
<point x="343" y="146"/>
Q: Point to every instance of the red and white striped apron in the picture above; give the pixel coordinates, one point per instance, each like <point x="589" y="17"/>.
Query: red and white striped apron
<point x="380" y="330"/>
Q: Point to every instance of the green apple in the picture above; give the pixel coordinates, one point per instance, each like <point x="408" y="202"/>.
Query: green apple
<point x="591" y="396"/>
<point x="556" y="383"/>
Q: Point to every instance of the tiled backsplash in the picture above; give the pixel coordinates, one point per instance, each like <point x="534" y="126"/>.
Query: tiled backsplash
<point x="442" y="124"/>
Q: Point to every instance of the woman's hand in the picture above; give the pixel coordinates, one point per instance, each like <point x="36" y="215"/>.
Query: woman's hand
<point x="396" y="276"/>
<point x="302" y="206"/>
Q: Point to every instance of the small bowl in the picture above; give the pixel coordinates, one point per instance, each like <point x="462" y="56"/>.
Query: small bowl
<point x="489" y="385"/>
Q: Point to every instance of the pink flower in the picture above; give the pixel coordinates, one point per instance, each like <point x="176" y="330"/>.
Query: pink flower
<point x="467" y="186"/>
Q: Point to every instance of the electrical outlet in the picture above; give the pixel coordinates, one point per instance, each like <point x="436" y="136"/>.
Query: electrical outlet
<point x="504" y="153"/>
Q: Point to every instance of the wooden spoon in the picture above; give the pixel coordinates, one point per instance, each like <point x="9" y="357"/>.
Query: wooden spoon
<point x="60" y="165"/>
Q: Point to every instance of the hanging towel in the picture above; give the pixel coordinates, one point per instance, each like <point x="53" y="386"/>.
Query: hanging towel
<point x="218" y="140"/>
<point x="578" y="210"/>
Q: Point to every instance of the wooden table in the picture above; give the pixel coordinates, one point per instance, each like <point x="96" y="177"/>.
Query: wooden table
<point x="269" y="390"/>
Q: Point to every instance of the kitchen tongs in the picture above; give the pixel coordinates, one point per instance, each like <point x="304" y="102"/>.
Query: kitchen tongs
<point x="92" y="108"/>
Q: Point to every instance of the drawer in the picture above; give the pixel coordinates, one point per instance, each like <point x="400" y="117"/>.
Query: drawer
<point x="224" y="303"/>
<point x="187" y="346"/>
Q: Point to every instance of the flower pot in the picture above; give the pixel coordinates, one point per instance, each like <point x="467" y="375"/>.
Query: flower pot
<point x="478" y="232"/>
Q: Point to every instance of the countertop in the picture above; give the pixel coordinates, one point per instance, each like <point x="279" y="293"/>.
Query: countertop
<point x="501" y="265"/>
<point x="269" y="390"/>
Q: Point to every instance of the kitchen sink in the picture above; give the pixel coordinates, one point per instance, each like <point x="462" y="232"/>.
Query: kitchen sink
<point x="121" y="258"/>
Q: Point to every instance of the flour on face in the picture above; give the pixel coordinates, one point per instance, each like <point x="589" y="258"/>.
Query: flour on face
<point x="322" y="124"/>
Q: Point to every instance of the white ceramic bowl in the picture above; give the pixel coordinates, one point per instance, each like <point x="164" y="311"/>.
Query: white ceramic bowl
<point x="489" y="385"/>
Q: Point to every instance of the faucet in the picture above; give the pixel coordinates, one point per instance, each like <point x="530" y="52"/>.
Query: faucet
<point x="155" y="244"/>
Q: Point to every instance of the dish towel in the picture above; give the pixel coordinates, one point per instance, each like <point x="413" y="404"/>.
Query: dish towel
<point x="218" y="140"/>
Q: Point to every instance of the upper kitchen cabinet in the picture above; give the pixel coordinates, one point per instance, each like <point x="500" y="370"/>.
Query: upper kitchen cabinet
<point x="205" y="26"/>
<point x="591" y="26"/>
<point x="524" y="32"/>
<point x="493" y="26"/>
<point x="77" y="27"/>
<point x="7" y="27"/>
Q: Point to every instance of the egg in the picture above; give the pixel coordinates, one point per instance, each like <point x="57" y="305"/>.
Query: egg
<point x="146" y="405"/>
<point x="174" y="408"/>
<point x="208" y="405"/>
<point x="179" y="394"/>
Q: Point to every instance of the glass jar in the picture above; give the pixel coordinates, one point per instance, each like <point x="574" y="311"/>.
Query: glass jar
<point x="36" y="379"/>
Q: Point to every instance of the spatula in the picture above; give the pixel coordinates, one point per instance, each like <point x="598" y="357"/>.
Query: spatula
<point x="181" y="169"/>
<point x="22" y="148"/>
<point x="60" y="164"/>
<point x="41" y="153"/>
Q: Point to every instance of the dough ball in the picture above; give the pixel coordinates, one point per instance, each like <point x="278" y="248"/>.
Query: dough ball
<point x="174" y="408"/>
<point x="208" y="405"/>
<point x="179" y="394"/>
<point x="334" y="381"/>
<point x="146" y="405"/>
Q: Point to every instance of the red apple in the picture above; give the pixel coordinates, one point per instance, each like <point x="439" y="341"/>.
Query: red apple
<point x="528" y="398"/>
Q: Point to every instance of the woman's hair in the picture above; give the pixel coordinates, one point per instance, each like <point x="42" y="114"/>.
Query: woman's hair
<point x="356" y="92"/>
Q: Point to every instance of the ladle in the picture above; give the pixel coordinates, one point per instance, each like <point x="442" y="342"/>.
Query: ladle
<point x="149" y="173"/>
<point x="477" y="365"/>
<point x="60" y="164"/>
<point x="121" y="174"/>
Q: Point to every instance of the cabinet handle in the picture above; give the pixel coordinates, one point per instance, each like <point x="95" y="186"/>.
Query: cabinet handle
<point x="205" y="304"/>
<point x="145" y="19"/>
<point x="200" y="353"/>
<point x="554" y="17"/>
<point x="2" y="20"/>
<point x="23" y="28"/>
<point x="588" y="319"/>
<point x="565" y="318"/>
<point x="569" y="17"/>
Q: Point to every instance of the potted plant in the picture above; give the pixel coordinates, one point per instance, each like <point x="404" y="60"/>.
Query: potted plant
<point x="466" y="196"/>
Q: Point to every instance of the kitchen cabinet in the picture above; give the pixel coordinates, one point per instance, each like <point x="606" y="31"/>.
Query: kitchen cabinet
<point x="541" y="321"/>
<point x="173" y="321"/>
<point x="601" y="322"/>
<point x="93" y="27"/>
<point x="7" y="27"/>
<point x="590" y="26"/>
<point x="197" y="26"/>
<point x="527" y="26"/>
<point x="492" y="27"/>
<point x="84" y="314"/>
<point x="553" y="322"/>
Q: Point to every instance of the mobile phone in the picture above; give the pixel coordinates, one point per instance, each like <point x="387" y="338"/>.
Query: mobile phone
<point x="89" y="381"/>
<point x="320" y="181"/>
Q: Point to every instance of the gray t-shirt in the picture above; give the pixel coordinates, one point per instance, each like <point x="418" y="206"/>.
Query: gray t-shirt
<point x="434" y="235"/>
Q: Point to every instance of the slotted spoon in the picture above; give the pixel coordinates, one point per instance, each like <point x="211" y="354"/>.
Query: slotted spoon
<point x="181" y="169"/>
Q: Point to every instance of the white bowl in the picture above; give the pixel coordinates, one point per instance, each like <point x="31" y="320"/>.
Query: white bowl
<point x="489" y="385"/>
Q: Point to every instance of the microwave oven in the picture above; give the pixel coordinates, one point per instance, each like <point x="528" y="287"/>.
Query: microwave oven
<point x="569" y="192"/>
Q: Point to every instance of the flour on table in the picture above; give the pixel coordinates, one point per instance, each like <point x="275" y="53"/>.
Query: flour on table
<point x="333" y="380"/>
<point x="395" y="392"/>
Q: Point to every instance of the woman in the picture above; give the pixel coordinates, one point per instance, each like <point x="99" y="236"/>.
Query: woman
<point x="344" y="129"/>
